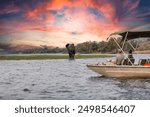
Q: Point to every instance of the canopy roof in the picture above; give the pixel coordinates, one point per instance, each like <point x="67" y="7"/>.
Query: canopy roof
<point x="133" y="34"/>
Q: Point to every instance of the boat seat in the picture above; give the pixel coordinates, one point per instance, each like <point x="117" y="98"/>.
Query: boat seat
<point x="143" y="61"/>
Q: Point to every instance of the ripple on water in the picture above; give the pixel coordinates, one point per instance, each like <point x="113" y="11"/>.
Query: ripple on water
<point x="64" y="79"/>
<point x="63" y="91"/>
<point x="46" y="92"/>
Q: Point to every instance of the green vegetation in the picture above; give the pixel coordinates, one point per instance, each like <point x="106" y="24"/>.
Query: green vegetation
<point x="83" y="48"/>
<point x="92" y="47"/>
<point x="97" y="47"/>
<point x="43" y="49"/>
<point x="32" y="57"/>
<point x="40" y="57"/>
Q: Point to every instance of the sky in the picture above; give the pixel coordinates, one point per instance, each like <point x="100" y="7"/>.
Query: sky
<point x="25" y="23"/>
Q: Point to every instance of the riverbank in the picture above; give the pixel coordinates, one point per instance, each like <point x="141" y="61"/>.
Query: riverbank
<point x="41" y="57"/>
<point x="143" y="52"/>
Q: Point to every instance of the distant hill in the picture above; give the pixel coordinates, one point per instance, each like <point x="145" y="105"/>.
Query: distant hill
<point x="22" y="47"/>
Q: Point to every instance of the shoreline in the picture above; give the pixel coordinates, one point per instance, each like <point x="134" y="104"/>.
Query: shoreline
<point x="143" y="52"/>
<point x="45" y="57"/>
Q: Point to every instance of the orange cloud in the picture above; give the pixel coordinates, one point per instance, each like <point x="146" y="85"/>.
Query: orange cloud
<point x="76" y="18"/>
<point x="41" y="12"/>
<point x="83" y="21"/>
<point x="70" y="21"/>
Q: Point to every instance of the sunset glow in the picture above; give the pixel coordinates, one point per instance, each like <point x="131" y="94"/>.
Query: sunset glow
<point x="57" y="22"/>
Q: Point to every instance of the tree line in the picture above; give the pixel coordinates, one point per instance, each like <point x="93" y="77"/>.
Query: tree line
<point x="91" y="47"/>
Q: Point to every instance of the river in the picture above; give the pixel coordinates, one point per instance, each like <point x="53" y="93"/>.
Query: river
<point x="64" y="79"/>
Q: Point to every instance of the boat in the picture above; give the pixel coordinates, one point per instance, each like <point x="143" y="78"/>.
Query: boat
<point x="108" y="69"/>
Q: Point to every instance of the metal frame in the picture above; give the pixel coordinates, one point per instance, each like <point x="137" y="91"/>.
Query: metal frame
<point x="125" y="40"/>
<point x="121" y="48"/>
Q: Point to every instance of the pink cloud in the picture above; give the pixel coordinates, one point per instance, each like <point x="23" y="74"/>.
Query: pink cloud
<point x="130" y="6"/>
<point x="73" y="16"/>
<point x="7" y="28"/>
<point x="11" y="8"/>
<point x="81" y="17"/>
<point x="40" y="19"/>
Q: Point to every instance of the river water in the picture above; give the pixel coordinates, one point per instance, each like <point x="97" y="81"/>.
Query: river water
<point x="64" y="79"/>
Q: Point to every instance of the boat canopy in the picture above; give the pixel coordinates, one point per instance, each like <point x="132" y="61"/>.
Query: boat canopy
<point x="129" y="35"/>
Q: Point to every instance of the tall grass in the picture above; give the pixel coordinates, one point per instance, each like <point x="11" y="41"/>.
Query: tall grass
<point x="41" y="57"/>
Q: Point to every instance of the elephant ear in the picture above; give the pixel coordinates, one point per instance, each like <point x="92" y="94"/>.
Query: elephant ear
<point x="67" y="45"/>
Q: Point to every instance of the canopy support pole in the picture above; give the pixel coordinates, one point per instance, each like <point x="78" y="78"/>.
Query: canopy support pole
<point x="124" y="40"/>
<point x="132" y="46"/>
<point x="122" y="50"/>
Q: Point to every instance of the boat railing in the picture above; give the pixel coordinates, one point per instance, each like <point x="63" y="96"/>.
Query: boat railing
<point x="143" y="61"/>
<point x="124" y="62"/>
<point x="128" y="62"/>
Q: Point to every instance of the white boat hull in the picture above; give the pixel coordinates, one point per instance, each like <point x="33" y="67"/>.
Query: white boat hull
<point x="121" y="71"/>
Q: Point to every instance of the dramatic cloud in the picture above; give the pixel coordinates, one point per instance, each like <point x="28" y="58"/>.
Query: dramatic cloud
<point x="57" y="22"/>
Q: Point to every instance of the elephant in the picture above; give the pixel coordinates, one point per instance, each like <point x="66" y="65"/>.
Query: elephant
<point x="71" y="51"/>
